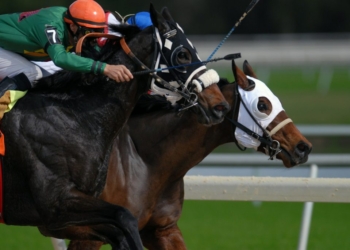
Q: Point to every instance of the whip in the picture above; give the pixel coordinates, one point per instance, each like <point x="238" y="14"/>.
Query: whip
<point x="249" y="8"/>
<point x="227" y="57"/>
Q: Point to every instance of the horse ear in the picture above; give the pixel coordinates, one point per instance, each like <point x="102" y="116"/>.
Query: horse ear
<point x="158" y="21"/>
<point x="166" y="14"/>
<point x="241" y="78"/>
<point x="248" y="70"/>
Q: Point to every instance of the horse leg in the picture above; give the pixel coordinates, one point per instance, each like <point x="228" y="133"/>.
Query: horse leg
<point x="71" y="207"/>
<point x="83" y="238"/>
<point x="169" y="238"/>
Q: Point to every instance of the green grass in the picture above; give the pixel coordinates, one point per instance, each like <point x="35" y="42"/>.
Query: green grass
<point x="241" y="225"/>
<point x="208" y="225"/>
<point x="17" y="238"/>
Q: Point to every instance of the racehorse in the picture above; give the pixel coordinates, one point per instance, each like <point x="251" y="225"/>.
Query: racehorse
<point x="58" y="142"/>
<point x="154" y="151"/>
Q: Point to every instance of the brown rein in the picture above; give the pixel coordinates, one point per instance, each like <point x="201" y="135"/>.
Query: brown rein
<point x="79" y="45"/>
<point x="122" y="41"/>
<point x="128" y="51"/>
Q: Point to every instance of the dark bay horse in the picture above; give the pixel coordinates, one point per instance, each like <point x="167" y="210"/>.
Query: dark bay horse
<point x="155" y="150"/>
<point x="58" y="144"/>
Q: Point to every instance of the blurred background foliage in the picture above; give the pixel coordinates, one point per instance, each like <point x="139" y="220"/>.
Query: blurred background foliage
<point x="217" y="17"/>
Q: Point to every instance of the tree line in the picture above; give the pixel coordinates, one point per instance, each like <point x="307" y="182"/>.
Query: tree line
<point x="201" y="17"/>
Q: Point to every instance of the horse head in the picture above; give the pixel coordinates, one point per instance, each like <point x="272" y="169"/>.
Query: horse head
<point x="196" y="87"/>
<point x="260" y="122"/>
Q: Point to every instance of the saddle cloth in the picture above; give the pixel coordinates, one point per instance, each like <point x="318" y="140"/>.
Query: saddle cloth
<point x="7" y="101"/>
<point x="1" y="194"/>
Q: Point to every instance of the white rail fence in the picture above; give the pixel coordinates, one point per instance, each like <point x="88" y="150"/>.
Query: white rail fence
<point x="284" y="189"/>
<point x="279" y="50"/>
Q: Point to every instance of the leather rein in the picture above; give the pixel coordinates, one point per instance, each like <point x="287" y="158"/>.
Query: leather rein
<point x="272" y="147"/>
<point x="132" y="56"/>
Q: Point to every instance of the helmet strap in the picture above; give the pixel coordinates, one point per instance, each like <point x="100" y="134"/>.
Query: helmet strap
<point x="75" y="36"/>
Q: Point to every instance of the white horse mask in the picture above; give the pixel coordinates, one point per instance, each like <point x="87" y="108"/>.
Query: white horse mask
<point x="251" y="99"/>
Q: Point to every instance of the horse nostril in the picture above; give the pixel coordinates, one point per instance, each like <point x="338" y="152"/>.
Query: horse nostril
<point x="302" y="147"/>
<point x="223" y="107"/>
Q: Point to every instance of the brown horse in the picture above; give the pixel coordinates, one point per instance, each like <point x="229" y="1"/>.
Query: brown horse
<point x="59" y="142"/>
<point x="155" y="150"/>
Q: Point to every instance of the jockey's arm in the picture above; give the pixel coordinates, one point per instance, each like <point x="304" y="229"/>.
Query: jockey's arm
<point x="69" y="61"/>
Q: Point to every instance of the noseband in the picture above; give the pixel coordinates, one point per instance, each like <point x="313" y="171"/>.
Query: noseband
<point x="272" y="147"/>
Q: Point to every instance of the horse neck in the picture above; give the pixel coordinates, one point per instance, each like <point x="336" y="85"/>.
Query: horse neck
<point x="142" y="46"/>
<point x="124" y="96"/>
<point x="171" y="145"/>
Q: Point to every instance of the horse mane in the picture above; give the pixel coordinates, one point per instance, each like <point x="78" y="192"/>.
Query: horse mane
<point x="222" y="82"/>
<point x="152" y="103"/>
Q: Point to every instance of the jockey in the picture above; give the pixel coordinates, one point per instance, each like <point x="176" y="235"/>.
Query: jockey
<point x="140" y="19"/>
<point x="48" y="34"/>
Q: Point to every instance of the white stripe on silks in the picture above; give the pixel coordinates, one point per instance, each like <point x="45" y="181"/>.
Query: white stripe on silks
<point x="168" y="44"/>
<point x="198" y="56"/>
<point x="163" y="66"/>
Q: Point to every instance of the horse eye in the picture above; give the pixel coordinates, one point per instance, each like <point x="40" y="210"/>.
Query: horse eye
<point x="183" y="56"/>
<point x="262" y="106"/>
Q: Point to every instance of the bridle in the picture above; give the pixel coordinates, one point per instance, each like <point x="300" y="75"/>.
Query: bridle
<point x="272" y="147"/>
<point x="190" y="97"/>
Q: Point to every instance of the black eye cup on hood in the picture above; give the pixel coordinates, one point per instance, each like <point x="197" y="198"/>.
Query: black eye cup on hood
<point x="179" y="56"/>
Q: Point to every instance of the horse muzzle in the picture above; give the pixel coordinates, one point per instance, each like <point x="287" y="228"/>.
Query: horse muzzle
<point x="297" y="156"/>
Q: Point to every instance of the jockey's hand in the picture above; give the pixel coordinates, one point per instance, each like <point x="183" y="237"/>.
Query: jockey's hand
<point x="119" y="73"/>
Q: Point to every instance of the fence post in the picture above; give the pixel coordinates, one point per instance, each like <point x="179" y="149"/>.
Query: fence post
<point x="307" y="214"/>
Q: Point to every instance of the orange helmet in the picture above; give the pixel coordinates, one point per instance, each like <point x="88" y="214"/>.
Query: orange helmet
<point x="86" y="13"/>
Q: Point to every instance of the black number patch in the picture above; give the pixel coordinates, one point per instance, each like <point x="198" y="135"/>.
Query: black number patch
<point x="52" y="36"/>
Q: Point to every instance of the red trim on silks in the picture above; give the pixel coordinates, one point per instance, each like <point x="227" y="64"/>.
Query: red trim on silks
<point x="102" y="40"/>
<point x="2" y="144"/>
<point x="2" y="153"/>
<point x="1" y="194"/>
